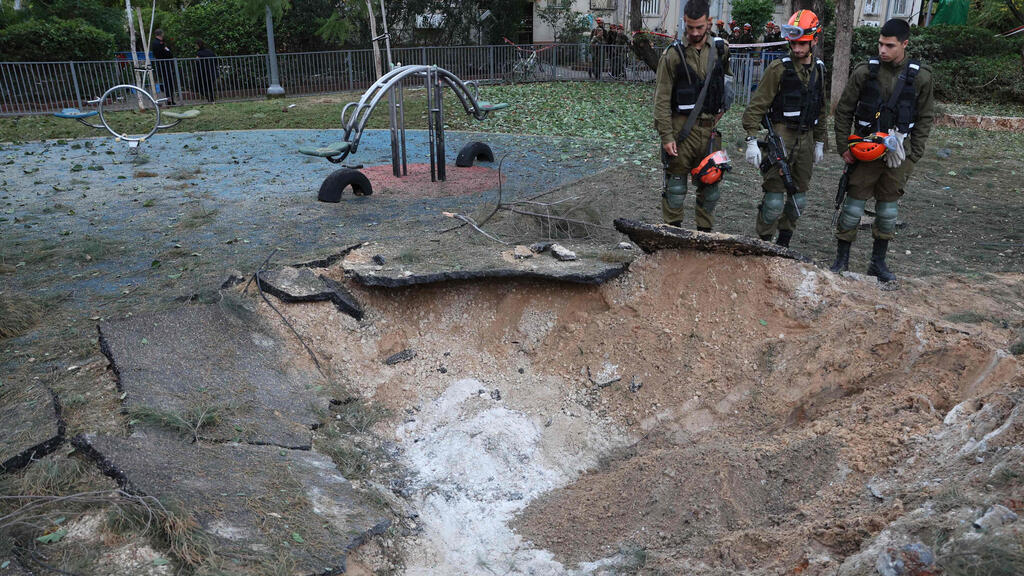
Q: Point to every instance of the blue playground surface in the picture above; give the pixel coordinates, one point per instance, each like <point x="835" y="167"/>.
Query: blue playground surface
<point x="234" y="198"/>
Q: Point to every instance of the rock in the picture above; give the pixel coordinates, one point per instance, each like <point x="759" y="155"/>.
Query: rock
<point x="911" y="560"/>
<point x="943" y="153"/>
<point x="378" y="260"/>
<point x="495" y="394"/>
<point x="520" y="252"/>
<point x="32" y="424"/>
<point x="996" y="516"/>
<point x="624" y="246"/>
<point x="635" y="384"/>
<point x="562" y="253"/>
<point x="398" y="357"/>
<point x="877" y="488"/>
<point x="538" y="247"/>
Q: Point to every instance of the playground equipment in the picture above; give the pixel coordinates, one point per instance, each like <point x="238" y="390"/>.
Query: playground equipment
<point x="355" y="115"/>
<point x="142" y="74"/>
<point x="108" y="96"/>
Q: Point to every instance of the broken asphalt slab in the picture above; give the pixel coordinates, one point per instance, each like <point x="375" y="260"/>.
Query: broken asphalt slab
<point x="218" y="368"/>
<point x="31" y="425"/>
<point x="654" y="237"/>
<point x="260" y="505"/>
<point x="292" y="284"/>
<point x="389" y="266"/>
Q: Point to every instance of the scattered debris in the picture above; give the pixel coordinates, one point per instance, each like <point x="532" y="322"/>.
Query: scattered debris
<point x="562" y="253"/>
<point x="398" y="357"/>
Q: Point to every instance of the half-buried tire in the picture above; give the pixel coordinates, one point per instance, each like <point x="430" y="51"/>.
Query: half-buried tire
<point x="335" y="184"/>
<point x="472" y="152"/>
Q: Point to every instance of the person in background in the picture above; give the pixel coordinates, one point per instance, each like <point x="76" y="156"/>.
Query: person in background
<point x="164" y="64"/>
<point x="206" y="70"/>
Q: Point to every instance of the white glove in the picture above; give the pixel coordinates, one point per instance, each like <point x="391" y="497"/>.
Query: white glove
<point x="819" y="151"/>
<point x="753" y="153"/>
<point x="895" y="152"/>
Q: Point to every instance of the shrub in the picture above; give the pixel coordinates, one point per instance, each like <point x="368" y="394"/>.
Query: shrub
<point x="753" y="12"/>
<point x="979" y="79"/>
<point x="55" y="40"/>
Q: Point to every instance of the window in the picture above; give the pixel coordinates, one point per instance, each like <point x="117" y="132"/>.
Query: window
<point x="650" y="7"/>
<point x="900" y="8"/>
<point x="602" y="4"/>
<point x="870" y="7"/>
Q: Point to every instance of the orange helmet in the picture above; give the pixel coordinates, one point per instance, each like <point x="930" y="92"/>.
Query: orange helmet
<point x="710" y="169"/>
<point x="803" y="27"/>
<point x="867" y="148"/>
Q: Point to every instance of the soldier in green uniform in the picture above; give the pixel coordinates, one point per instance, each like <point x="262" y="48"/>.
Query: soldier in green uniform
<point x="888" y="99"/>
<point x="683" y="70"/>
<point x="771" y="33"/>
<point x="792" y="94"/>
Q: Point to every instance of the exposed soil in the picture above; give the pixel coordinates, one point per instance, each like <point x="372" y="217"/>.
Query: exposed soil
<point x="703" y="414"/>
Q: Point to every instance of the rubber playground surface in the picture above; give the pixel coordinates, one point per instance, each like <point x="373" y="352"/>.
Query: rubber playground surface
<point x="237" y="197"/>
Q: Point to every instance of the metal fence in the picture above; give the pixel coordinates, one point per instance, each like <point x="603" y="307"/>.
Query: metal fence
<point x="46" y="87"/>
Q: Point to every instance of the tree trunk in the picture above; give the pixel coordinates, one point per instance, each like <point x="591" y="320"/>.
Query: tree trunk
<point x="641" y="45"/>
<point x="1016" y="13"/>
<point x="844" y="43"/>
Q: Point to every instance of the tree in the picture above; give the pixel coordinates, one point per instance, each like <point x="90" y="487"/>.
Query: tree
<point x="754" y="12"/>
<point x="844" y="44"/>
<point x="568" y="25"/>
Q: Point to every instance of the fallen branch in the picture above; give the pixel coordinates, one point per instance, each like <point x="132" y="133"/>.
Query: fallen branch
<point x="559" y="218"/>
<point x="470" y="221"/>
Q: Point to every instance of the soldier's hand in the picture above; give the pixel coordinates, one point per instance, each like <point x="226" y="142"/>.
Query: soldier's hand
<point x="848" y="157"/>
<point x="753" y="155"/>
<point x="819" y="151"/>
<point x="670" y="148"/>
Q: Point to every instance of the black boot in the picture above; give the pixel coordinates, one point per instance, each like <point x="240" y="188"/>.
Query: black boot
<point x="784" y="237"/>
<point x="703" y="229"/>
<point x="766" y="237"/>
<point x="877" y="268"/>
<point x="842" y="263"/>
<point x="676" y="223"/>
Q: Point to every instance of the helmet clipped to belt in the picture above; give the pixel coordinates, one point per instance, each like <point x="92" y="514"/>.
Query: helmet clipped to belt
<point x="711" y="168"/>
<point x="868" y="148"/>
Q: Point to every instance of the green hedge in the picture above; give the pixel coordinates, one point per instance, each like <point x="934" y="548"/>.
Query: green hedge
<point x="221" y="25"/>
<point x="55" y="40"/>
<point x="964" y="59"/>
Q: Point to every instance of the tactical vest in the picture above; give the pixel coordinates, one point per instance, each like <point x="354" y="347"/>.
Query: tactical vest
<point x="874" y="115"/>
<point x="688" y="84"/>
<point x="796" y="105"/>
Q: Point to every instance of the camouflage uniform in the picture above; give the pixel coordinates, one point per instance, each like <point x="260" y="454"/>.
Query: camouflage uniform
<point x="692" y="150"/>
<point x="875" y="179"/>
<point x="778" y="209"/>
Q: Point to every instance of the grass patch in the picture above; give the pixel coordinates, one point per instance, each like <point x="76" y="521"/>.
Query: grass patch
<point x="191" y="422"/>
<point x="18" y="314"/>
<point x="1017" y="348"/>
<point x="995" y="555"/>
<point x="197" y="218"/>
<point x="967" y="317"/>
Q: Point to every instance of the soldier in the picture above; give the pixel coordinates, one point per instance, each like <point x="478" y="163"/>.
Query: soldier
<point x="792" y="94"/>
<point x="720" y="29"/>
<point x="771" y="33"/>
<point x="689" y="97"/>
<point x="735" y="36"/>
<point x="886" y="101"/>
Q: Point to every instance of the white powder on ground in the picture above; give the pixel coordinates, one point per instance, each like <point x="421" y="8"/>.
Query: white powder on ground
<point x="476" y="464"/>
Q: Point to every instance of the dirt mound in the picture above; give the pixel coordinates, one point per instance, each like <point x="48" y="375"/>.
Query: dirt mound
<point x="701" y="414"/>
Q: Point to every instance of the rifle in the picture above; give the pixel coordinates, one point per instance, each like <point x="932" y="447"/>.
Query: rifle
<point x="776" y="157"/>
<point x="844" y="182"/>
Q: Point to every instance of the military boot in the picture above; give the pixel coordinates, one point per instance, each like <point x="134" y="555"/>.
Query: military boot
<point x="766" y="237"/>
<point x="703" y="229"/>
<point x="877" y="268"/>
<point x="842" y="263"/>
<point x="784" y="237"/>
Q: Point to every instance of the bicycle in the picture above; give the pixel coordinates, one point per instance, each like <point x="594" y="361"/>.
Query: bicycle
<point x="526" y="68"/>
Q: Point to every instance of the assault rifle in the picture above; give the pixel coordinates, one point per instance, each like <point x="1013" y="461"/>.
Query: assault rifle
<point x="844" y="182"/>
<point x="775" y="157"/>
